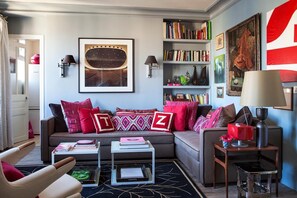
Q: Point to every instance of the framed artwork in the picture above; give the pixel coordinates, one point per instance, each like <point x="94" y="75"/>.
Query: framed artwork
<point x="288" y="92"/>
<point x="219" y="68"/>
<point x="243" y="53"/>
<point x="106" y="65"/>
<point x="220" y="41"/>
<point x="220" y="92"/>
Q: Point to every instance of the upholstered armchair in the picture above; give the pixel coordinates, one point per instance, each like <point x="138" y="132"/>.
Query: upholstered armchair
<point x="50" y="181"/>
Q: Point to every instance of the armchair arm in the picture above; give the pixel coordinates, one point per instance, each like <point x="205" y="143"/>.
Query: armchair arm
<point x="13" y="155"/>
<point x="35" y="183"/>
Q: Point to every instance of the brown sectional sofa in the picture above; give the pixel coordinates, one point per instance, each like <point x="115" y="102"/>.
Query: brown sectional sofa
<point x="194" y="150"/>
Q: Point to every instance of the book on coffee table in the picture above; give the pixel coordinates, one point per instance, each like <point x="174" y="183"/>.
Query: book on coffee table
<point x="131" y="173"/>
<point x="132" y="140"/>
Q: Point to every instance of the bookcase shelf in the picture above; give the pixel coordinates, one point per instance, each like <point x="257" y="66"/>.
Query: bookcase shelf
<point x="185" y="47"/>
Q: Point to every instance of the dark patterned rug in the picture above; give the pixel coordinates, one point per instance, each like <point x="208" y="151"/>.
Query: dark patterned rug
<point x="170" y="182"/>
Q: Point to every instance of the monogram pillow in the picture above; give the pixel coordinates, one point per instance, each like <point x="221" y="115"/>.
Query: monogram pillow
<point x="162" y="121"/>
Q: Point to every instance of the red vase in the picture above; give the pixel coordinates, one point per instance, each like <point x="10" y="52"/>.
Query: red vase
<point x="35" y="59"/>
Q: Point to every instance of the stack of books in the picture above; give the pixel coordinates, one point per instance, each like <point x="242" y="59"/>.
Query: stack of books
<point x="133" y="143"/>
<point x="86" y="144"/>
<point x="65" y="146"/>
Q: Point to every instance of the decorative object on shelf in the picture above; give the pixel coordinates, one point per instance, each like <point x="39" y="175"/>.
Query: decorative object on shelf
<point x="220" y="92"/>
<point x="288" y="91"/>
<point x="151" y="62"/>
<point x="203" y="77"/>
<point x="220" y="41"/>
<point x="240" y="132"/>
<point x="219" y="69"/>
<point x="106" y="65"/>
<point x="226" y="140"/>
<point x="35" y="59"/>
<point x="262" y="89"/>
<point x="185" y="79"/>
<point x="243" y="53"/>
<point x="195" y="77"/>
<point x="66" y="62"/>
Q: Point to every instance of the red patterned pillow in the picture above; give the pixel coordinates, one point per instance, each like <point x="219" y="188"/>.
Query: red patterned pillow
<point x="121" y="111"/>
<point x="10" y="172"/>
<point x="200" y="123"/>
<point x="70" y="111"/>
<point x="133" y="122"/>
<point x="180" y="113"/>
<point x="86" y="119"/>
<point x="162" y="121"/>
<point x="103" y="123"/>
<point x="222" y="116"/>
<point x="191" y="111"/>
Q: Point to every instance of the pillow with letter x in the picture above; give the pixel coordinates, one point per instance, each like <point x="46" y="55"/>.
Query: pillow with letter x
<point x="162" y="121"/>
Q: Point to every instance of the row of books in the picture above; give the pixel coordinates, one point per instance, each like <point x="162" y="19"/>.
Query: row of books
<point x="179" y="30"/>
<point x="200" y="98"/>
<point x="186" y="55"/>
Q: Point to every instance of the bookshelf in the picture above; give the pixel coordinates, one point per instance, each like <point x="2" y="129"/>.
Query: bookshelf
<point x="186" y="45"/>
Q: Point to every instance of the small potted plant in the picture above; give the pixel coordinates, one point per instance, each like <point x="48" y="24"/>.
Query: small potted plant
<point x="226" y="139"/>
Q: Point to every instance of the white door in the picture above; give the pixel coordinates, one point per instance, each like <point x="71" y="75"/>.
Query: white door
<point x="18" y="73"/>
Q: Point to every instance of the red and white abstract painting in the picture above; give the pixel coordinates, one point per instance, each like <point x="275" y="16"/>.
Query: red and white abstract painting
<point x="282" y="40"/>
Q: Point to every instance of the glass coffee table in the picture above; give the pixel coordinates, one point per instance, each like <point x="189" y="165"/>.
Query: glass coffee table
<point x="82" y="171"/>
<point x="132" y="175"/>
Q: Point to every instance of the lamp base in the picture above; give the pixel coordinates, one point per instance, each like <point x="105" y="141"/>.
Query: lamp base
<point x="261" y="128"/>
<point x="239" y="143"/>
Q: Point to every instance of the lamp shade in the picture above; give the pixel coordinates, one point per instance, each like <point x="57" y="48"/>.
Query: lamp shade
<point x="69" y="59"/>
<point x="151" y="60"/>
<point x="262" y="89"/>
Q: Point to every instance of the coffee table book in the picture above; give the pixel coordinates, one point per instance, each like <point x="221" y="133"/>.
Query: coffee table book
<point x="132" y="140"/>
<point x="126" y="173"/>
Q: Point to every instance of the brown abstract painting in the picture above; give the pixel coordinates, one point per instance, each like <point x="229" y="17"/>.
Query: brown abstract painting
<point x="106" y="65"/>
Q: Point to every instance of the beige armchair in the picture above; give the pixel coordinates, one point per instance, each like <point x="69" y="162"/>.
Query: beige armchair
<point x="49" y="182"/>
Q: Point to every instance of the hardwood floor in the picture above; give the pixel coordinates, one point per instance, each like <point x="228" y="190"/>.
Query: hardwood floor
<point x="284" y="192"/>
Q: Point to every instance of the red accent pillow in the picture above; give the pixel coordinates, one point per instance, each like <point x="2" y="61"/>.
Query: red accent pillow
<point x="86" y="120"/>
<point x="70" y="111"/>
<point x="103" y="123"/>
<point x="180" y="113"/>
<point x="10" y="172"/>
<point x="162" y="121"/>
<point x="191" y="111"/>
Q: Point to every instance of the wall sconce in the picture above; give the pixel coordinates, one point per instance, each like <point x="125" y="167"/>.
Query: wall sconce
<point x="151" y="62"/>
<point x="65" y="62"/>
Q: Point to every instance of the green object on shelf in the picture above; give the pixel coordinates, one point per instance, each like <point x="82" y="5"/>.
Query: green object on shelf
<point x="81" y="174"/>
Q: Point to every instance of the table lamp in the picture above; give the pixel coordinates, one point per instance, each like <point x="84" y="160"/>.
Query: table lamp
<point x="262" y="89"/>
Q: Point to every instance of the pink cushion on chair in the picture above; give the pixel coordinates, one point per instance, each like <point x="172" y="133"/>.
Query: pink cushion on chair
<point x="70" y="110"/>
<point x="10" y="172"/>
<point x="180" y="114"/>
<point x="86" y="119"/>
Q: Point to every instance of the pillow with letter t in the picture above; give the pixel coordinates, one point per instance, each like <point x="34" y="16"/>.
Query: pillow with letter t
<point x="103" y="123"/>
<point x="162" y="121"/>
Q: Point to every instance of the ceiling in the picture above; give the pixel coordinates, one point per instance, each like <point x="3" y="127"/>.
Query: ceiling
<point x="99" y="6"/>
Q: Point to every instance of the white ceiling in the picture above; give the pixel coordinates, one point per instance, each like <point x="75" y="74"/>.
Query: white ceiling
<point x="96" y="6"/>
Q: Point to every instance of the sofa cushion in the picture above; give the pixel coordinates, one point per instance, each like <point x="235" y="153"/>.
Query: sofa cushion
<point x="189" y="141"/>
<point x="133" y="121"/>
<point x="103" y="123"/>
<point x="70" y="111"/>
<point x="162" y="121"/>
<point x="86" y="119"/>
<point x="60" y="124"/>
<point x="191" y="111"/>
<point x="180" y="113"/>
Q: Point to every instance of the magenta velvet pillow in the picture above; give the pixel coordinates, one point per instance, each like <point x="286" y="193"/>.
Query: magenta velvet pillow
<point x="200" y="123"/>
<point x="70" y="110"/>
<point x="191" y="111"/>
<point x="214" y="118"/>
<point x="180" y="114"/>
<point x="10" y="172"/>
<point x="222" y="116"/>
<point x="86" y="119"/>
<point x="133" y="122"/>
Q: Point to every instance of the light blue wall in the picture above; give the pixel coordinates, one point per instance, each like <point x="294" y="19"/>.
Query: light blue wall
<point x="61" y="33"/>
<point x="286" y="119"/>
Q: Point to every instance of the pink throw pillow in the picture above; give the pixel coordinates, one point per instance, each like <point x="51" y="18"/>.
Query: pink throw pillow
<point x="180" y="114"/>
<point x="10" y="172"/>
<point x="162" y="121"/>
<point x="191" y="111"/>
<point x="86" y="119"/>
<point x="222" y="116"/>
<point x="200" y="123"/>
<point x="70" y="111"/>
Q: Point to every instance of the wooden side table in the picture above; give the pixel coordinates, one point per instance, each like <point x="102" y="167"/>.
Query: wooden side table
<point x="225" y="159"/>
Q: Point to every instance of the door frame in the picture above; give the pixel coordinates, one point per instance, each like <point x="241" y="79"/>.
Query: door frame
<point x="42" y="64"/>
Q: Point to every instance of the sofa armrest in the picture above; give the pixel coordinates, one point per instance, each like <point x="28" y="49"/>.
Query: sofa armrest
<point x="47" y="129"/>
<point x="210" y="136"/>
